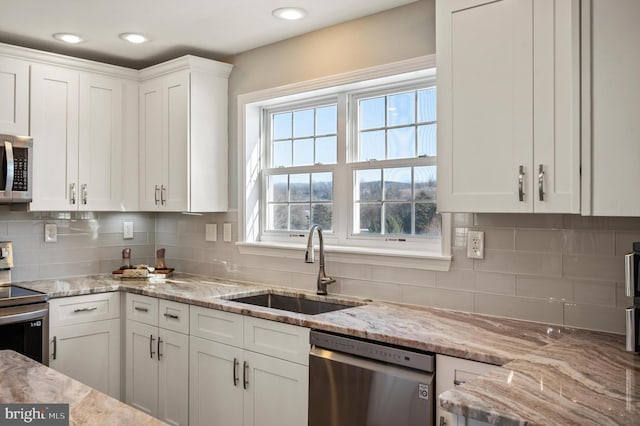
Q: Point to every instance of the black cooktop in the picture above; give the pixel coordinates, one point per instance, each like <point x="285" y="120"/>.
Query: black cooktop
<point x="12" y="295"/>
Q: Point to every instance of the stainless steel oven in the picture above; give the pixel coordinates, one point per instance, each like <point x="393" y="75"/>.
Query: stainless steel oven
<point x="354" y="382"/>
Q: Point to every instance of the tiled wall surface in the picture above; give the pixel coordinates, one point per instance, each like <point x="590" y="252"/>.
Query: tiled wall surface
<point x="561" y="269"/>
<point x="87" y="243"/>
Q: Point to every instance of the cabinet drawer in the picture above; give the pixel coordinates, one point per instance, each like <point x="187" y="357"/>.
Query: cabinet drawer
<point x="284" y="341"/>
<point x="142" y="308"/>
<point x="174" y="316"/>
<point x="219" y="326"/>
<point x="87" y="308"/>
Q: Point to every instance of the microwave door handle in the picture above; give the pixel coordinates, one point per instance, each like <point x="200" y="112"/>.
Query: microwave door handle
<point x="8" y="147"/>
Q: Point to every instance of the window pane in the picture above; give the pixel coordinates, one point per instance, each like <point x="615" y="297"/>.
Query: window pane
<point x="372" y="145"/>
<point x="397" y="184"/>
<point x="397" y="218"/>
<point x="401" y="109"/>
<point x="371" y="113"/>
<point x="427" y="105"/>
<point x="299" y="187"/>
<point x="428" y="222"/>
<point x="278" y="217"/>
<point x="278" y="189"/>
<point x="327" y="150"/>
<point x="282" y="154"/>
<point x="303" y="123"/>
<point x="302" y="152"/>
<point x="299" y="217"/>
<point x="327" y="120"/>
<point x="402" y="142"/>
<point x="425" y="183"/>
<point x="322" y="215"/>
<point x="427" y="140"/>
<point x="369" y="217"/>
<point x="282" y="126"/>
<point x="322" y="186"/>
<point x="369" y="185"/>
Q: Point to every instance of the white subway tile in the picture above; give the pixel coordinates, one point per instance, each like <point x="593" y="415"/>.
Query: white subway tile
<point x="622" y="300"/>
<point x="518" y="220"/>
<point x="519" y="307"/>
<point x="498" y="239"/>
<point x="456" y="280"/>
<point x="542" y="240"/>
<point x="438" y="298"/>
<point x="594" y="267"/>
<point x="520" y="262"/>
<point x="544" y="288"/>
<point x="593" y="317"/>
<point x="624" y="242"/>
<point x="417" y="277"/>
<point x="589" y="242"/>
<point x="594" y="292"/>
<point x="491" y="282"/>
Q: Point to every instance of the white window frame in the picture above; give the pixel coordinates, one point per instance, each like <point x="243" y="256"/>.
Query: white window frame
<point x="250" y="161"/>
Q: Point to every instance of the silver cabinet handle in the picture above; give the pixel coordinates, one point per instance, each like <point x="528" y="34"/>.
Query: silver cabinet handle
<point x="83" y="190"/>
<point x="235" y="371"/>
<point x="8" y="149"/>
<point x="55" y="347"/>
<point x="443" y="422"/>
<point x="151" y="352"/>
<point x="138" y="308"/>
<point x="163" y="191"/>
<point x="629" y="275"/>
<point x="156" y="194"/>
<point x="521" y="183"/>
<point x="172" y="316"/>
<point x="245" y="380"/>
<point x="159" y="341"/>
<point x="541" y="182"/>
<point x="459" y="382"/>
<point x="72" y="192"/>
<point x="91" y="308"/>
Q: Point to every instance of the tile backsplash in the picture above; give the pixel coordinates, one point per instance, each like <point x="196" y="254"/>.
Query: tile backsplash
<point x="561" y="269"/>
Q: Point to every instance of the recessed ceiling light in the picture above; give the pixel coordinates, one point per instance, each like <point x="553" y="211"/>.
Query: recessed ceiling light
<point x="134" y="38"/>
<point x="289" y="13"/>
<point x="68" y="38"/>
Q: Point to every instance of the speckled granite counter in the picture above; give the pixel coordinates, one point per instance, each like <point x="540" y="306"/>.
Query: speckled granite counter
<point x="23" y="380"/>
<point x="550" y="374"/>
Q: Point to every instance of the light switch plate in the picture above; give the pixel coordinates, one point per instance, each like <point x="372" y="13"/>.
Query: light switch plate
<point x="127" y="230"/>
<point x="50" y="233"/>
<point x="211" y="232"/>
<point x="227" y="232"/>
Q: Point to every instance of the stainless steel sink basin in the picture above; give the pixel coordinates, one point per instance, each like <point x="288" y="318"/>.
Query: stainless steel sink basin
<point x="298" y="304"/>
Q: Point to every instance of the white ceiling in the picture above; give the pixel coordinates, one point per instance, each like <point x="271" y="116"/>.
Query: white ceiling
<point x="210" y="28"/>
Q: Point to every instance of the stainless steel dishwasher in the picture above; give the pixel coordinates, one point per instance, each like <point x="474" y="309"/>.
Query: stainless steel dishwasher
<point x="354" y="382"/>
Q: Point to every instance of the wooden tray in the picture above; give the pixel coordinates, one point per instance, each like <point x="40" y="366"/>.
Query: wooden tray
<point x="158" y="273"/>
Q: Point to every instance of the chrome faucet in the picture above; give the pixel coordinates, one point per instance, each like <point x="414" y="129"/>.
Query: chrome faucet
<point x="309" y="257"/>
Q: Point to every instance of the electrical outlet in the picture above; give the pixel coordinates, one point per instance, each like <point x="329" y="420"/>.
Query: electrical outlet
<point x="211" y="232"/>
<point x="50" y="233"/>
<point x="127" y="230"/>
<point x="475" y="245"/>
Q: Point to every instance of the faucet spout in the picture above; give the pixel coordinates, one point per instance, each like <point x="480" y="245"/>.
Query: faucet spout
<point x="323" y="279"/>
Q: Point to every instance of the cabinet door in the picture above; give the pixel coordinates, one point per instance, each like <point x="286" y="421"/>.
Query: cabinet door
<point x="611" y="110"/>
<point x="175" y="139"/>
<point x="215" y="384"/>
<point x="277" y="392"/>
<point x="54" y="127"/>
<point x="485" y="104"/>
<point x="14" y="96"/>
<point x="89" y="353"/>
<point x="142" y="367"/>
<point x="151" y="148"/>
<point x="173" y="377"/>
<point x="101" y="139"/>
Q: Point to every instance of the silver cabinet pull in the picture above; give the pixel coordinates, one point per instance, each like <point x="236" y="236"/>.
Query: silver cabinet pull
<point x="72" y="192"/>
<point x="151" y="352"/>
<point x="83" y="190"/>
<point x="159" y="341"/>
<point x="629" y="275"/>
<point x="541" y="182"/>
<point x="245" y="380"/>
<point x="156" y="194"/>
<point x="163" y="191"/>
<point x="459" y="382"/>
<point x="521" y="183"/>
<point x="55" y="347"/>
<point x="235" y="371"/>
<point x="443" y="422"/>
<point x="138" y="308"/>
<point x="172" y="316"/>
<point x="91" y="308"/>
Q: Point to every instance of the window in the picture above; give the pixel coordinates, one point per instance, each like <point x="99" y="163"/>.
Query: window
<point x="358" y="159"/>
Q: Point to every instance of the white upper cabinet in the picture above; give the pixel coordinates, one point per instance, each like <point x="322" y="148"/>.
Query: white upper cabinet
<point x="183" y="136"/>
<point x="611" y="107"/>
<point x="14" y="96"/>
<point x="508" y="105"/>
<point x="85" y="145"/>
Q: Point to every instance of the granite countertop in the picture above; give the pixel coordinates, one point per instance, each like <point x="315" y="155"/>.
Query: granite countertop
<point x="23" y="380"/>
<point x="549" y="375"/>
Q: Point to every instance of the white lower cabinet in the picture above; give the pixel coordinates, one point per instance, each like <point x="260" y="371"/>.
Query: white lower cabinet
<point x="157" y="358"/>
<point x="452" y="372"/>
<point x="232" y="385"/>
<point x="84" y="340"/>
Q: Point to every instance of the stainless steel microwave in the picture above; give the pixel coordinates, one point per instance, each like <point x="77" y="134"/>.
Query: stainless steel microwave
<point x="16" y="169"/>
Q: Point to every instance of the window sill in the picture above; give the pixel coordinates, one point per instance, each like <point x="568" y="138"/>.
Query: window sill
<point x="359" y="255"/>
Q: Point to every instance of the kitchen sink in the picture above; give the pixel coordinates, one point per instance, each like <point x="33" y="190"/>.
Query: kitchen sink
<point x="299" y="304"/>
